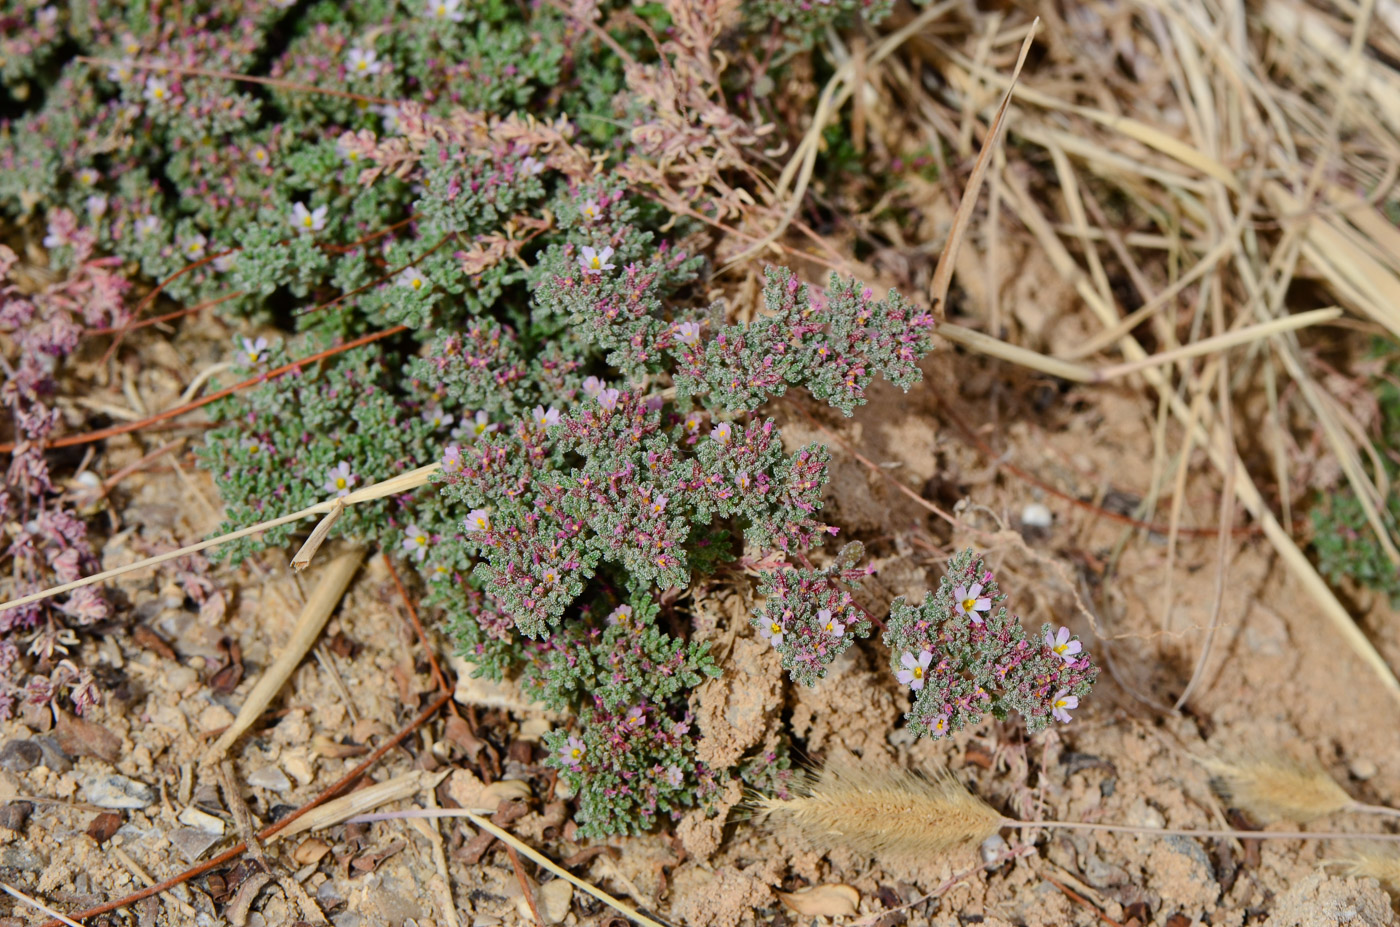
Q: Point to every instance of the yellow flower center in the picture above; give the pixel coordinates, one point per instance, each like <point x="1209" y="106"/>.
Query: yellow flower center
<point x="340" y="482"/>
<point x="418" y="283"/>
<point x="595" y="263"/>
<point x="969" y="604"/>
<point x="1061" y="648"/>
<point x="421" y="540"/>
<point x="481" y="523"/>
<point x="1061" y="703"/>
<point x="918" y="672"/>
<point x="775" y="628"/>
<point x="253" y="357"/>
<point x="363" y="65"/>
<point x="575" y="753"/>
<point x="158" y="93"/>
<point x="306" y="222"/>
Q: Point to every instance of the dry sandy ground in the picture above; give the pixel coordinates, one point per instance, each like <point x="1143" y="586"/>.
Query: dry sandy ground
<point x="1277" y="674"/>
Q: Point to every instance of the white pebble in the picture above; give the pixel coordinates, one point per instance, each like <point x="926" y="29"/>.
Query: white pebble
<point x="1037" y="515"/>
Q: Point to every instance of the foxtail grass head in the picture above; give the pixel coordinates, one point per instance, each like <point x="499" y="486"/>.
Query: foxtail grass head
<point x="886" y="813"/>
<point x="1274" y="786"/>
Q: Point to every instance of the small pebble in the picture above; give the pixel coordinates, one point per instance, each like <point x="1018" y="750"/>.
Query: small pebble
<point x="54" y="757"/>
<point x="14" y="814"/>
<point x="118" y="792"/>
<point x="1037" y="515"/>
<point x="270" y="778"/>
<point x="20" y="755"/>
<point x="347" y="919"/>
<point x="202" y="820"/>
<point x="16" y="856"/>
<point x="192" y="842"/>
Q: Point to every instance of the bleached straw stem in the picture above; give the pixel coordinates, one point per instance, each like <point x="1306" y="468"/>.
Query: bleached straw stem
<point x="1203" y="831"/>
<point x="525" y="849"/>
<point x="404" y="482"/>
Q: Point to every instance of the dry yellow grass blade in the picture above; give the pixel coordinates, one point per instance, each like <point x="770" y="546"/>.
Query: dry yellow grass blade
<point x="335" y="579"/>
<point x="524" y="849"/>
<point x="797" y="173"/>
<point x="1364" y="283"/>
<point x="1210" y="437"/>
<point x="360" y="801"/>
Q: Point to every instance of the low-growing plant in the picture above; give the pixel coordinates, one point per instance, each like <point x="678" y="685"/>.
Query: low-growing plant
<point x="1343" y="536"/>
<point x="538" y="280"/>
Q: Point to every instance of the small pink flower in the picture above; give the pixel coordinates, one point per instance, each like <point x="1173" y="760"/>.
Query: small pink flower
<point x="416" y="541"/>
<point x="829" y="624"/>
<point x="157" y="90"/>
<point x="478" y="520"/>
<point x="1061" y="704"/>
<point x="608" y="399"/>
<point x="595" y="262"/>
<point x="572" y="753"/>
<point x="440" y="572"/>
<point x="914" y="669"/>
<point x="688" y="333"/>
<point x="635" y="717"/>
<point x="363" y="62"/>
<point x="620" y="615"/>
<point x="1062" y="645"/>
<point x="452" y="459"/>
<point x="412" y="278"/>
<point x="773" y="631"/>
<point x="722" y="432"/>
<point x="658" y="505"/>
<point x="308" y="220"/>
<point x="434" y="416"/>
<point x="473" y="428"/>
<point x="591" y="210"/>
<point x="550" y="575"/>
<point x="938" y="726"/>
<point x="340" y="479"/>
<point x="546" y="418"/>
<point x="255" y="351"/>
<point x="674" y="776"/>
<point x="592" y="387"/>
<point x="971" y="601"/>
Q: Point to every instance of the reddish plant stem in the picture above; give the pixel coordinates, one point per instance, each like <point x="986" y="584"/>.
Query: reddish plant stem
<point x="239" y="848"/>
<point x="438" y="676"/>
<point x="169" y="316"/>
<point x="91" y="436"/>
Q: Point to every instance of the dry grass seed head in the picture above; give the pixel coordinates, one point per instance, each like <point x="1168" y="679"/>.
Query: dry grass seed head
<point x="1273" y="787"/>
<point x="1375" y="861"/>
<point x="888" y="813"/>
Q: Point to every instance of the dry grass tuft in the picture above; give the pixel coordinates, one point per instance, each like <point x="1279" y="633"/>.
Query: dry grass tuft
<point x="1274" y="786"/>
<point x="886" y="813"/>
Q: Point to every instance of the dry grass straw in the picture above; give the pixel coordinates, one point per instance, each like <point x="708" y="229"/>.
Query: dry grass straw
<point x="515" y="843"/>
<point x="335" y="579"/>
<point x="331" y="509"/>
<point x="1233" y="150"/>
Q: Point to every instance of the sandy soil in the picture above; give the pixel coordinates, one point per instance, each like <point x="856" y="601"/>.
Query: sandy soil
<point x="1277" y="674"/>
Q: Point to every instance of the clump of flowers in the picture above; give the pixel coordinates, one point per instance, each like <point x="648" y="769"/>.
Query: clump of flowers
<point x="809" y="615"/>
<point x="633" y="756"/>
<point x="961" y="659"/>
<point x="48" y="539"/>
